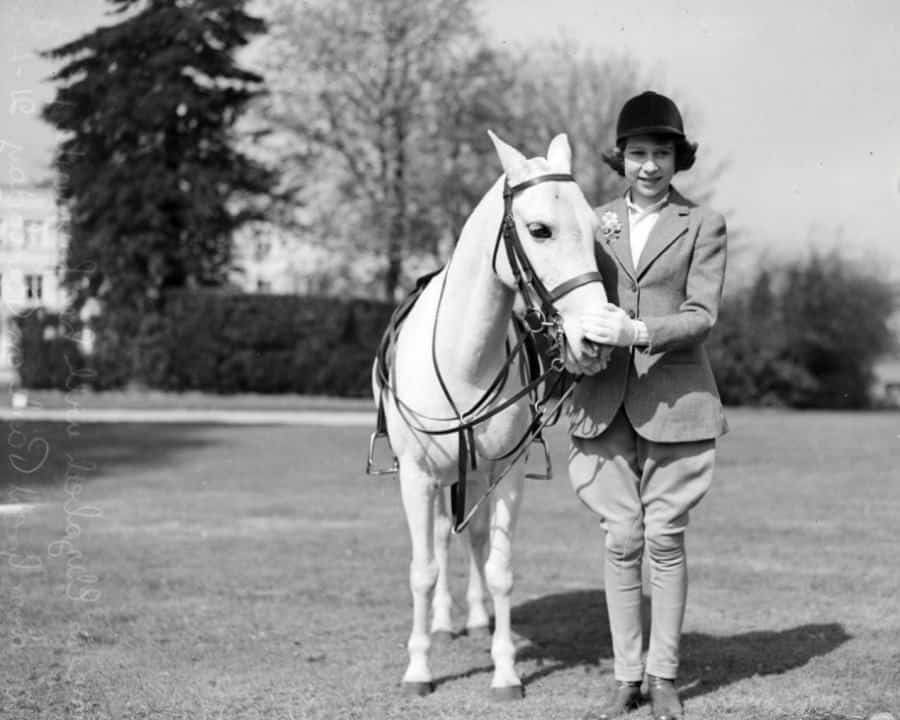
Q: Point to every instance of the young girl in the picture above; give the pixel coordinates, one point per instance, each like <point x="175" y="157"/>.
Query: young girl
<point x="644" y="430"/>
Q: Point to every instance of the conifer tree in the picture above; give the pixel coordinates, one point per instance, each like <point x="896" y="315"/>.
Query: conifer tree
<point x="149" y="179"/>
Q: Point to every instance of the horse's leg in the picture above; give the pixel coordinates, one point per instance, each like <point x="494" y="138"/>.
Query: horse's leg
<point x="499" y="574"/>
<point x="441" y="622"/>
<point x="478" y="621"/>
<point x="418" y="491"/>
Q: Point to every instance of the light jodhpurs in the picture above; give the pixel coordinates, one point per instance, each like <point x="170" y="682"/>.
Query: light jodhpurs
<point x="642" y="490"/>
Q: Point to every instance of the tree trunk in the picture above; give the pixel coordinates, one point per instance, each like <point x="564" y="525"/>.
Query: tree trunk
<point x="397" y="222"/>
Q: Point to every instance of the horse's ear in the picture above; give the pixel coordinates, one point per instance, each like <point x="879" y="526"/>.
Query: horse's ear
<point x="512" y="160"/>
<point x="559" y="154"/>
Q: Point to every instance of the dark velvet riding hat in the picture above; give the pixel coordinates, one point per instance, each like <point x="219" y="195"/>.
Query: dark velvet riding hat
<point x="649" y="114"/>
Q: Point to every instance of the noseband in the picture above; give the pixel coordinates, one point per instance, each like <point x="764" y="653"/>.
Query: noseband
<point x="540" y="313"/>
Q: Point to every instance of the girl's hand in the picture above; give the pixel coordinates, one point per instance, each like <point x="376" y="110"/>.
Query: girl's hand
<point x="609" y="326"/>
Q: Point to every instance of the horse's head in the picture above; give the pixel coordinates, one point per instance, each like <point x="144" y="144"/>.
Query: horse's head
<point x="555" y="228"/>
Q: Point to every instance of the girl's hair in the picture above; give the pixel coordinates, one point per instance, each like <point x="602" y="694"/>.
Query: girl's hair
<point x="685" y="153"/>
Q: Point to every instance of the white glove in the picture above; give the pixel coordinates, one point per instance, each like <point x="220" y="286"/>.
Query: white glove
<point x="610" y="326"/>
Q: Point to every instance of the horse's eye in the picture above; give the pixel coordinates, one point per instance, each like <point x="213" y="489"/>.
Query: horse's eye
<point x="539" y="231"/>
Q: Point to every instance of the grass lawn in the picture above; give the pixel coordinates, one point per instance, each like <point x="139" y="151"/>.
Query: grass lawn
<point x="254" y="572"/>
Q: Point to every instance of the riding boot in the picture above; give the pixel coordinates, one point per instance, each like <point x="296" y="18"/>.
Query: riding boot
<point x="626" y="698"/>
<point x="664" y="700"/>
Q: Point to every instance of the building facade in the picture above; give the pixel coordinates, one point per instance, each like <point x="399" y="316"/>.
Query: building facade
<point x="32" y="255"/>
<point x="271" y="259"/>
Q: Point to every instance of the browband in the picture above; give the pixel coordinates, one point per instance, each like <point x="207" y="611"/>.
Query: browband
<point x="550" y="177"/>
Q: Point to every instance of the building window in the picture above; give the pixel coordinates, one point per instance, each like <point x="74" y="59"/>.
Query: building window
<point x="34" y="287"/>
<point x="33" y="232"/>
<point x="1" y="285"/>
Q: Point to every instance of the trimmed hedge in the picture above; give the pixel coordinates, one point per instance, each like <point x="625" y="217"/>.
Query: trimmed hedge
<point x="226" y="343"/>
<point x="233" y="343"/>
<point x="47" y="355"/>
<point x="804" y="335"/>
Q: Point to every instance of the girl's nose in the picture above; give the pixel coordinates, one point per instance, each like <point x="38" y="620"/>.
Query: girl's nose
<point x="650" y="165"/>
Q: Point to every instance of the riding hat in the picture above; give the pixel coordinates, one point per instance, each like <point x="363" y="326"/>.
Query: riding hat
<point x="649" y="114"/>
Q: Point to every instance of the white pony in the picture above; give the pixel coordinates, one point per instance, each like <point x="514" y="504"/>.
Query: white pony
<point x="446" y="367"/>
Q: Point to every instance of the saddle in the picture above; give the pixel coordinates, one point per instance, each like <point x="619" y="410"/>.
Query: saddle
<point x="537" y="369"/>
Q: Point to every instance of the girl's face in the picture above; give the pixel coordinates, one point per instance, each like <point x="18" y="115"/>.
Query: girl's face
<point x="649" y="167"/>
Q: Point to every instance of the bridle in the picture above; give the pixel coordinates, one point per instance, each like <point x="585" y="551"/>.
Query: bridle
<point x="540" y="311"/>
<point x="540" y="318"/>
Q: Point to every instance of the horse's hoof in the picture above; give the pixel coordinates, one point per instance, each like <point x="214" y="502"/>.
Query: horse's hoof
<point x="441" y="638"/>
<point x="511" y="692"/>
<point x="418" y="689"/>
<point x="480" y="632"/>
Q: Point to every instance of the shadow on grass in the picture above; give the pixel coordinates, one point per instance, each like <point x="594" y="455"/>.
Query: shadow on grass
<point x="37" y="455"/>
<point x="471" y="672"/>
<point x="571" y="629"/>
<point x="710" y="662"/>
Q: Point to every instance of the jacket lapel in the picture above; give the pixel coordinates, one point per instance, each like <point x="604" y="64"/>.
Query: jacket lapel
<point x="620" y="243"/>
<point x="672" y="222"/>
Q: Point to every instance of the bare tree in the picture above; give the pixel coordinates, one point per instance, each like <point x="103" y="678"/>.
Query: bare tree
<point x="359" y="84"/>
<point x="382" y="108"/>
<point x="564" y="88"/>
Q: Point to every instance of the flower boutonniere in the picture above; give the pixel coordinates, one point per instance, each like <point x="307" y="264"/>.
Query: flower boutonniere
<point x="610" y="225"/>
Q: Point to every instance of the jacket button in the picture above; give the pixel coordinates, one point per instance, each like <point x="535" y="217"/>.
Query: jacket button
<point x="631" y="314"/>
<point x="633" y="286"/>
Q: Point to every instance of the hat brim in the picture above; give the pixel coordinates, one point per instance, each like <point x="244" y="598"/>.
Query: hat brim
<point x="651" y="130"/>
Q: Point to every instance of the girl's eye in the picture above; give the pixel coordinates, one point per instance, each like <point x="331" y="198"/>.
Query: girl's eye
<point x="539" y="231"/>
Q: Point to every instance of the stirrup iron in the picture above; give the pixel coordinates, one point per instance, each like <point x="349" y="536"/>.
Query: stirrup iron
<point x="370" y="461"/>
<point x="548" y="465"/>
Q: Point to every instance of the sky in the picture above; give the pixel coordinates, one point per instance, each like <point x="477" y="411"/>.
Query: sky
<point x="800" y="98"/>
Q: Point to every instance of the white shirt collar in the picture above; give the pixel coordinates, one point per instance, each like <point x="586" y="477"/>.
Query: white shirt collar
<point x="636" y="214"/>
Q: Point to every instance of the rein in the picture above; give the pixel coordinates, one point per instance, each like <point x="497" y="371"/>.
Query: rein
<point x="540" y="318"/>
